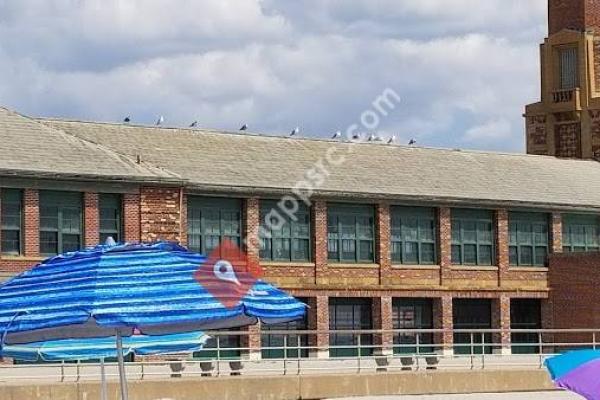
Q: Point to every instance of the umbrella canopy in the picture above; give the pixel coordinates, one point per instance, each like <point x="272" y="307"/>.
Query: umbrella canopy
<point x="102" y="348"/>
<point x="577" y="371"/>
<point x="159" y="288"/>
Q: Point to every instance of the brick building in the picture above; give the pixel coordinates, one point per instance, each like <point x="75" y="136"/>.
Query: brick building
<point x="375" y="235"/>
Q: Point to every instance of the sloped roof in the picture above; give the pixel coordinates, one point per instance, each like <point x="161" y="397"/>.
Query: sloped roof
<point x="228" y="161"/>
<point x="30" y="148"/>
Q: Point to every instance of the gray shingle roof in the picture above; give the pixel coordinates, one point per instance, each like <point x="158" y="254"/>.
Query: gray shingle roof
<point x="30" y="148"/>
<point x="212" y="160"/>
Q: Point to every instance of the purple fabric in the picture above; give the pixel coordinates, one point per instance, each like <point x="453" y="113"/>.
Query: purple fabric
<point x="584" y="380"/>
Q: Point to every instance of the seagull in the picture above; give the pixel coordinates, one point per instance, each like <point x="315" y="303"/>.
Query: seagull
<point x="295" y="131"/>
<point x="356" y="135"/>
<point x="244" y="127"/>
<point x="371" y="137"/>
<point x="411" y="142"/>
<point x="194" y="124"/>
<point x="160" y="120"/>
<point x="337" y="135"/>
<point x="127" y="119"/>
<point x="392" y="139"/>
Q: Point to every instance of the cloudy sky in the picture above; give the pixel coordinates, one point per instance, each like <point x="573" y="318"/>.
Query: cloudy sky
<point x="464" y="68"/>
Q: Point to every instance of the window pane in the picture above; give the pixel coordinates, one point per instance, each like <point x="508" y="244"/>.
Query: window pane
<point x="332" y="249"/>
<point x="526" y="255"/>
<point x="348" y="250"/>
<point x="485" y="255"/>
<point x="411" y="252"/>
<point x="211" y="221"/>
<point x="540" y="234"/>
<point x="49" y="218"/>
<point x="410" y="229"/>
<point x="265" y="249"/>
<point x="578" y="235"/>
<point x="366" y="251"/>
<point x="365" y="227"/>
<point x="49" y="242"/>
<point x="396" y="229"/>
<point x="512" y="233"/>
<point x="71" y="242"/>
<point x="210" y="243"/>
<point x="397" y="252"/>
<point x="513" y="256"/>
<point x="469" y="232"/>
<point x="10" y="242"/>
<point x="470" y="254"/>
<point x="348" y="227"/>
<point x="591" y="237"/>
<point x="194" y="243"/>
<point x="484" y="232"/>
<point x="541" y="254"/>
<point x="281" y="249"/>
<point x="427" y="253"/>
<point x="456" y="236"/>
<point x="427" y="230"/>
<point x="71" y="220"/>
<point x="525" y="233"/>
<point x="456" y="254"/>
<point x="301" y="249"/>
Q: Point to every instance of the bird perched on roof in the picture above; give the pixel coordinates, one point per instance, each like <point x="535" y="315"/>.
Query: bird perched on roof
<point x="295" y="131"/>
<point x="392" y="139"/>
<point x="411" y="142"/>
<point x="160" y="120"/>
<point x="371" y="137"/>
<point x="127" y="119"/>
<point x="356" y="135"/>
<point x="244" y="127"/>
<point x="194" y="124"/>
<point x="337" y="135"/>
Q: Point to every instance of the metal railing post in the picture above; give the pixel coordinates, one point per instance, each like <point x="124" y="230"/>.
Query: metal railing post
<point x="541" y="349"/>
<point x="285" y="346"/>
<point x="218" y="355"/>
<point x="359" y="353"/>
<point x="418" y="350"/>
<point x="472" y="347"/>
<point x="482" y="350"/>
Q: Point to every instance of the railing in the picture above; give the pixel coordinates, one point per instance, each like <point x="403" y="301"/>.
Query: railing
<point x="563" y="95"/>
<point x="360" y="351"/>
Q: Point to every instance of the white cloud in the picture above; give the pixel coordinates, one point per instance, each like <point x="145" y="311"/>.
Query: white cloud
<point x="275" y="65"/>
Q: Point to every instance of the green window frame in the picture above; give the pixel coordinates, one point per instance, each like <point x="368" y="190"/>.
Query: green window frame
<point x="528" y="239"/>
<point x="212" y="220"/>
<point x="111" y="217"/>
<point x="473" y="237"/>
<point x="413" y="235"/>
<point x="291" y="240"/>
<point x="350" y="233"/>
<point x="11" y="219"/>
<point x="61" y="222"/>
<point x="580" y="233"/>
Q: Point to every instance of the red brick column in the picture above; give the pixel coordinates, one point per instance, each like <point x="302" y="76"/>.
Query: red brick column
<point x="319" y="223"/>
<point x="501" y="320"/>
<point x="382" y="242"/>
<point x="160" y="213"/>
<point x="443" y="318"/>
<point x="251" y="227"/>
<point x="252" y="341"/>
<point x="131" y="217"/>
<point x="184" y="221"/>
<point x="318" y="319"/>
<point x="445" y="243"/>
<point x="91" y="217"/>
<point x="382" y="319"/>
<point x="547" y="311"/>
<point x="556" y="233"/>
<point x="31" y="212"/>
<point x="502" y="258"/>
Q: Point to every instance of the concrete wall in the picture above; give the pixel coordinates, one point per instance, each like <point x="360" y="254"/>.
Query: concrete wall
<point x="293" y="387"/>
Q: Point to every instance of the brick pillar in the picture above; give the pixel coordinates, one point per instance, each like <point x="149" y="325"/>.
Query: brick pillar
<point x="252" y="342"/>
<point x="318" y="320"/>
<point x="31" y="212"/>
<point x="547" y="314"/>
<point x="382" y="242"/>
<point x="443" y="318"/>
<point x="501" y="320"/>
<point x="131" y="217"/>
<point x="319" y="223"/>
<point x="556" y="233"/>
<point x="160" y="213"/>
<point x="251" y="227"/>
<point x="445" y="243"/>
<point x="184" y="221"/>
<point x="501" y="237"/>
<point x="91" y="217"/>
<point x="382" y="319"/>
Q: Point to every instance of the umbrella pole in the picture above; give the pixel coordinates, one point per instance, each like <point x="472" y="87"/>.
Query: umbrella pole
<point x="122" y="377"/>
<point x="103" y="391"/>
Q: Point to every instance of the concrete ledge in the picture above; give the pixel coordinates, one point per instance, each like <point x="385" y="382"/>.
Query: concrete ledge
<point x="308" y="387"/>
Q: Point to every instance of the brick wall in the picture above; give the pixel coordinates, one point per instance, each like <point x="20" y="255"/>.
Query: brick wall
<point x="251" y="224"/>
<point x="568" y="140"/>
<point x="131" y="217"/>
<point x="382" y="242"/>
<point x="445" y="244"/>
<point x="319" y="226"/>
<point x="31" y="216"/>
<point x="91" y="218"/>
<point x="160" y="214"/>
<point x="537" y="141"/>
<point x="578" y="15"/>
<point x="594" y="115"/>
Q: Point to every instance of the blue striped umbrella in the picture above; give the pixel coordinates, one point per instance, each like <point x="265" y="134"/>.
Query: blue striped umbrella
<point x="102" y="348"/>
<point x="160" y="288"/>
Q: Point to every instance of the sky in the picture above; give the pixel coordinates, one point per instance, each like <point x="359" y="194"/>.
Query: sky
<point x="463" y="69"/>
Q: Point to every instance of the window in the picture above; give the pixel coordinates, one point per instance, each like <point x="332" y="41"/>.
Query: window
<point x="472" y="314"/>
<point x="349" y="314"/>
<point x="211" y="220"/>
<point x="528" y="239"/>
<point x="61" y="222"/>
<point x="350" y="233"/>
<point x="284" y="239"/>
<point x="568" y="68"/>
<point x="580" y="233"/>
<point x="274" y="345"/>
<point x="11" y="204"/>
<point x="412" y="314"/>
<point x="472" y="237"/>
<point x="111" y="221"/>
<point x="525" y="314"/>
<point x="413" y="235"/>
